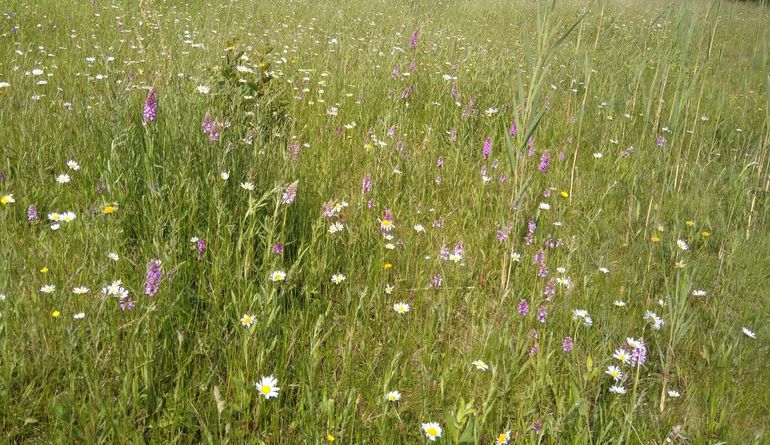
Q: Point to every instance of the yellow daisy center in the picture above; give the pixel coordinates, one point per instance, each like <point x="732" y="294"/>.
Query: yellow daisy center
<point x="432" y="431"/>
<point x="265" y="389"/>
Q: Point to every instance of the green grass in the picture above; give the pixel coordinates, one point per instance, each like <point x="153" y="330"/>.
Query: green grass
<point x="595" y="85"/>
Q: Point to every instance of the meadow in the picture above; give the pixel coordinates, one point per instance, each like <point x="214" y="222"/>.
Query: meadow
<point x="384" y="222"/>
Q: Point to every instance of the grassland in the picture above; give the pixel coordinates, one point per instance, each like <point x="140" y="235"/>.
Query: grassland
<point x="558" y="192"/>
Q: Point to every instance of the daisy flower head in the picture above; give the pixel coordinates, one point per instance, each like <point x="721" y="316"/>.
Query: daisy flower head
<point x="224" y="175"/>
<point x="698" y="293"/>
<point x="617" y="389"/>
<point x="115" y="289"/>
<point x="673" y="393"/>
<point x="480" y="365"/>
<point x="79" y="316"/>
<point x="268" y="387"/>
<point x="389" y="288"/>
<point x="748" y="332"/>
<point x="515" y="257"/>
<point x="338" y="278"/>
<point x="432" y="430"/>
<point x="73" y="165"/>
<point x="393" y="396"/>
<point x="247" y="320"/>
<point x="614" y="372"/>
<point x="654" y="320"/>
<point x="619" y="303"/>
<point x="55" y="314"/>
<point x="503" y="438"/>
<point x="80" y="290"/>
<point x="63" y="178"/>
<point x="335" y="227"/>
<point x="578" y="314"/>
<point x="682" y="245"/>
<point x="248" y="186"/>
<point x="68" y="216"/>
<point x="622" y="355"/>
<point x="113" y="256"/>
<point x="7" y="199"/>
<point x="419" y="228"/>
<point x="48" y="289"/>
<point x="278" y="275"/>
<point x="202" y="89"/>
<point x="401" y="308"/>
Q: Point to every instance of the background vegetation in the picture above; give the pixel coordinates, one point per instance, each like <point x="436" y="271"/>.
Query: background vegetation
<point x="641" y="128"/>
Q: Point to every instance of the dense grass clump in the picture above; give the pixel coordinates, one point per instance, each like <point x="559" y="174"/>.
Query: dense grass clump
<point x="384" y="222"/>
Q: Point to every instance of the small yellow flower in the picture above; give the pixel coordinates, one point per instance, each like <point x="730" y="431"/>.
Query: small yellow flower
<point x="109" y="208"/>
<point x="706" y="234"/>
<point x="330" y="438"/>
<point x="367" y="147"/>
<point x="690" y="223"/>
<point x="55" y="314"/>
<point x="564" y="194"/>
<point x="679" y="265"/>
<point x="655" y="238"/>
<point x="44" y="270"/>
<point x="387" y="266"/>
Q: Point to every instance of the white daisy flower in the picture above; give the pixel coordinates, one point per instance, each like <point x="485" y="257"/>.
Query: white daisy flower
<point x="400" y="308"/>
<point x="432" y="430"/>
<point x="268" y="387"/>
